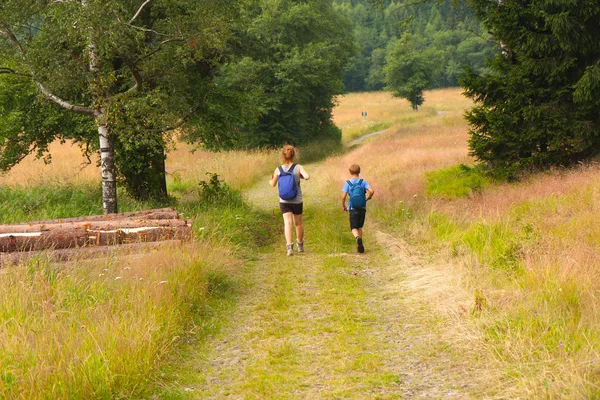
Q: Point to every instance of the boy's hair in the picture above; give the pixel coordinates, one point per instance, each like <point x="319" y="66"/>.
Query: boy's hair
<point x="354" y="169"/>
<point x="288" y="153"/>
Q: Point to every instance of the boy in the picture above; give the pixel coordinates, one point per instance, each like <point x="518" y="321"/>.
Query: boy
<point x="358" y="191"/>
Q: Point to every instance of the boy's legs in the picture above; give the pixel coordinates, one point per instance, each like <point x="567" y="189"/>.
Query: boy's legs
<point x="357" y="220"/>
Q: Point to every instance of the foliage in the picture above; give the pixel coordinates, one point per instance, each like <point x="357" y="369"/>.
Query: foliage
<point x="214" y="191"/>
<point x="446" y="27"/>
<point x="411" y="68"/>
<point x="538" y="104"/>
<point x="286" y="67"/>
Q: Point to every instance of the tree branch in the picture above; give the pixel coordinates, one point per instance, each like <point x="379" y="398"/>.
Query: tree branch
<point x="139" y="11"/>
<point x="65" y="104"/>
<point x="11" y="36"/>
<point x="5" y="70"/>
<point x="79" y="60"/>
<point x="158" y="48"/>
<point x="136" y="75"/>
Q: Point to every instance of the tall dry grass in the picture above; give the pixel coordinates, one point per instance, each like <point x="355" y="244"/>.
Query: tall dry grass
<point x="101" y="328"/>
<point x="184" y="162"/>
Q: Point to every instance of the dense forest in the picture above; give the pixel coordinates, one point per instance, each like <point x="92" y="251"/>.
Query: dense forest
<point x="440" y="38"/>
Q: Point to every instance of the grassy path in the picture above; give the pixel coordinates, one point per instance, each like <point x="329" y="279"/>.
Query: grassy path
<point x="333" y="324"/>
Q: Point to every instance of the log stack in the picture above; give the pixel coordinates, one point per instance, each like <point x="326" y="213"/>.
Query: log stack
<point x="79" y="235"/>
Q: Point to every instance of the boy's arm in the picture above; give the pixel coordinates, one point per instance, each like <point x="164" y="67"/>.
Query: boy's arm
<point x="344" y="201"/>
<point x="370" y="193"/>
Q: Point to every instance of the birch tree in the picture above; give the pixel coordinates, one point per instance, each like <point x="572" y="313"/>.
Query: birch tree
<point x="136" y="69"/>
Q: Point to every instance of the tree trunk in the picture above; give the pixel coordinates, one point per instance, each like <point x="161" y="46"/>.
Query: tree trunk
<point x="107" y="164"/>
<point x="144" y="171"/>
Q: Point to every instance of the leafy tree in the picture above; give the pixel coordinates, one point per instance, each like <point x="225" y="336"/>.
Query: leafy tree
<point x="286" y="66"/>
<point x="131" y="70"/>
<point x="411" y="68"/>
<point x="538" y="104"/>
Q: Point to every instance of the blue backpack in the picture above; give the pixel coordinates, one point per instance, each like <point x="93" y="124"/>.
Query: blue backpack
<point x="357" y="195"/>
<point x="286" y="184"/>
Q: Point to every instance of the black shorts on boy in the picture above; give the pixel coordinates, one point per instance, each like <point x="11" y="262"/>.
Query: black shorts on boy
<point x="357" y="218"/>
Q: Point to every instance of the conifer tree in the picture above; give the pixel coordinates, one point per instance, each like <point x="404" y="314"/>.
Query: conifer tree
<point x="538" y="104"/>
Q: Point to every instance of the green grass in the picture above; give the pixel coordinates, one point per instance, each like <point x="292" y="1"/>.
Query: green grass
<point x="457" y="181"/>
<point x="369" y="127"/>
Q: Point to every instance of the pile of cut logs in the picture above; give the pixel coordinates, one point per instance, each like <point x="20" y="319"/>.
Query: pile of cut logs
<point x="63" y="239"/>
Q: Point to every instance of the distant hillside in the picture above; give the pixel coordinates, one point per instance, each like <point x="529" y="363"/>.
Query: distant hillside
<point x="450" y="31"/>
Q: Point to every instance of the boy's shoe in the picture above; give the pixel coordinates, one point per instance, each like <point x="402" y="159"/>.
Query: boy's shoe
<point x="300" y="247"/>
<point x="359" y="245"/>
<point x="290" y="249"/>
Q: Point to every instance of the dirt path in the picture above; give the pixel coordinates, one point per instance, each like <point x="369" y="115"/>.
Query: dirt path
<point x="330" y="324"/>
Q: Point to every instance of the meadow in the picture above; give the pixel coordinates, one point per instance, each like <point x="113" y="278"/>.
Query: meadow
<point x="528" y="251"/>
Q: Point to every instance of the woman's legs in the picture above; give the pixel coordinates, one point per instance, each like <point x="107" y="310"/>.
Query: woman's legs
<point x="299" y="228"/>
<point x="288" y="228"/>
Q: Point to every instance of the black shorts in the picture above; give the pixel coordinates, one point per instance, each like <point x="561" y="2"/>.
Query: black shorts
<point x="357" y="218"/>
<point x="295" y="209"/>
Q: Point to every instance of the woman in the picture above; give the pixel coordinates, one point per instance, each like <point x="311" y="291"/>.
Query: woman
<point x="291" y="209"/>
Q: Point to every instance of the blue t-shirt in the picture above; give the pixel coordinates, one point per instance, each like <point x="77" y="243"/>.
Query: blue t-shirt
<point x="354" y="181"/>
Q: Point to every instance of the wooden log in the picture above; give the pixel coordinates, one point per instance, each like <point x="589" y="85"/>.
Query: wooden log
<point x="95" y="225"/>
<point x="158" y="213"/>
<point x="62" y="255"/>
<point x="136" y="235"/>
<point x="59" y="239"/>
<point x="82" y="236"/>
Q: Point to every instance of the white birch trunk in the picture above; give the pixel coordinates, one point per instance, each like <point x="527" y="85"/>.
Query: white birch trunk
<point x="107" y="165"/>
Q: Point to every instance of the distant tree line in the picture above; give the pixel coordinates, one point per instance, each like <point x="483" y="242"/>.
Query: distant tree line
<point x="408" y="46"/>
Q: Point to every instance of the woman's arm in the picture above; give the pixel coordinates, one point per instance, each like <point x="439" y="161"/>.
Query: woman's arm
<point x="274" y="178"/>
<point x="303" y="174"/>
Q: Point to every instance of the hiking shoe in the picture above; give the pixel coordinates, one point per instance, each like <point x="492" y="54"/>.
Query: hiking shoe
<point x="300" y="247"/>
<point x="290" y="249"/>
<point x="359" y="245"/>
